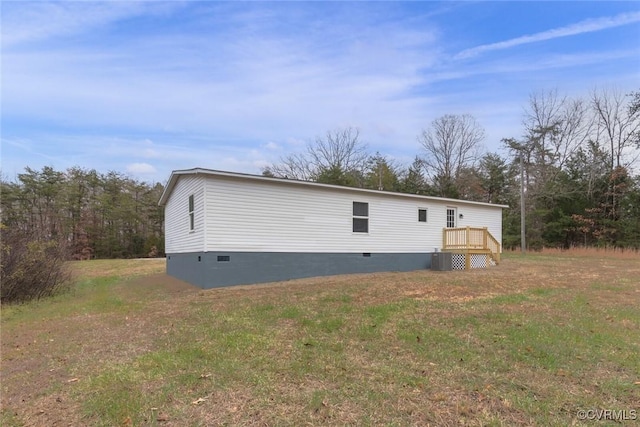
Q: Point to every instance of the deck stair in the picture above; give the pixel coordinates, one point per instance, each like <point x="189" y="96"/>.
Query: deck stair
<point x="472" y="247"/>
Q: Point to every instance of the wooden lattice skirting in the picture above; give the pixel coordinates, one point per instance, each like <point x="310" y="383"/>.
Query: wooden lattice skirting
<point x="475" y="260"/>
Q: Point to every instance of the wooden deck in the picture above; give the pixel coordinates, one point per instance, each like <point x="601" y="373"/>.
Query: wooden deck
<point x="469" y="241"/>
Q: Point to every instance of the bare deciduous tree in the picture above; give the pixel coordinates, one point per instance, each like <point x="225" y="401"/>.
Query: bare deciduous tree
<point x="450" y="144"/>
<point x="332" y="157"/>
<point x="558" y="125"/>
<point x="617" y="125"/>
<point x="293" y="166"/>
<point x="340" y="149"/>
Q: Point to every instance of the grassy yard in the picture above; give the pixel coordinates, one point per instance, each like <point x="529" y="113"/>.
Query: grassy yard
<point x="530" y="342"/>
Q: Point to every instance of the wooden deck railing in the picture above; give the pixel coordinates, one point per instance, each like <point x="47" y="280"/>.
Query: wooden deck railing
<point x="471" y="240"/>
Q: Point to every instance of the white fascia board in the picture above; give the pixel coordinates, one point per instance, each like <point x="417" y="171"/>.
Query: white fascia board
<point x="284" y="181"/>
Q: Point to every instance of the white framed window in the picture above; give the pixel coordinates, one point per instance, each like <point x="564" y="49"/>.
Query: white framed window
<point x="192" y="218"/>
<point x="360" y="217"/>
<point x="422" y="214"/>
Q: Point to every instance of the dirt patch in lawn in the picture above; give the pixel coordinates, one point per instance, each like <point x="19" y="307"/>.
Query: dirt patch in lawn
<point x="160" y="282"/>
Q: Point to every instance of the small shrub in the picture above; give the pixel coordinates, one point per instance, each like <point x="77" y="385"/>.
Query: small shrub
<point x="30" y="268"/>
<point x="153" y="252"/>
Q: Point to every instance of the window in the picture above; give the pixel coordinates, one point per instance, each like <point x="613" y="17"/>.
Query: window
<point x="360" y="217"/>
<point x="451" y="217"/>
<point x="192" y="222"/>
<point x="422" y="215"/>
<point x="360" y="209"/>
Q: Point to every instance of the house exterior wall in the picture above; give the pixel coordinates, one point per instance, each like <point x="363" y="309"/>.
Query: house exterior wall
<point x="480" y="216"/>
<point x="178" y="236"/>
<point x="249" y="230"/>
<point x="272" y="217"/>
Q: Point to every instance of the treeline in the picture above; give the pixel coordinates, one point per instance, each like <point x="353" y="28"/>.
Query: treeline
<point x="89" y="214"/>
<point x="574" y="166"/>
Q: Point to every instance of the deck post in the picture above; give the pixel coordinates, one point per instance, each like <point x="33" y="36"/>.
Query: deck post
<point x="467" y="255"/>
<point x="468" y="237"/>
<point x="485" y="233"/>
<point x="444" y="239"/>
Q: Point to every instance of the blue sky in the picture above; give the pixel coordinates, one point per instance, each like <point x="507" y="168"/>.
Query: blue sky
<point x="145" y="88"/>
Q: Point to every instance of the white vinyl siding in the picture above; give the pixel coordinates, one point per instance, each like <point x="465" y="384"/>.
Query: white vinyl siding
<point x="179" y="236"/>
<point x="480" y="216"/>
<point x="267" y="216"/>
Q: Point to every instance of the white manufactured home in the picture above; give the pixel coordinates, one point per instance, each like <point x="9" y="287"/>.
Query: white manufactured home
<point x="224" y="228"/>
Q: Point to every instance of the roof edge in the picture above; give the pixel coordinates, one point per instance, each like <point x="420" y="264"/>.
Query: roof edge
<point x="212" y="172"/>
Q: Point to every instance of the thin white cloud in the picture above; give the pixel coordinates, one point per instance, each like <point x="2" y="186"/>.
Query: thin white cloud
<point x="141" y="168"/>
<point x="245" y="85"/>
<point x="95" y="151"/>
<point x="586" y="26"/>
<point x="24" y="22"/>
<point x="271" y="146"/>
<point x="295" y="142"/>
<point x="510" y="66"/>
<point x="31" y="21"/>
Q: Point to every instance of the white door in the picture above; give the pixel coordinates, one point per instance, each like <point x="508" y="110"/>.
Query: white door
<point x="452" y="215"/>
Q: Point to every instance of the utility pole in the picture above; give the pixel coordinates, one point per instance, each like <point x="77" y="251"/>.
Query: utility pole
<point x="523" y="243"/>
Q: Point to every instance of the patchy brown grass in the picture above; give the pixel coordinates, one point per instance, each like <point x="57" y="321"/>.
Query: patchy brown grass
<point x="117" y="267"/>
<point x="527" y="343"/>
<point x="593" y="252"/>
